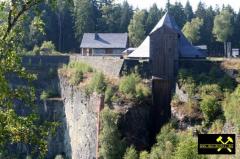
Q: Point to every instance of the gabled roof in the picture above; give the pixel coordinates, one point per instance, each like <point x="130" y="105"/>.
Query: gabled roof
<point x="185" y="48"/>
<point x="104" y="40"/>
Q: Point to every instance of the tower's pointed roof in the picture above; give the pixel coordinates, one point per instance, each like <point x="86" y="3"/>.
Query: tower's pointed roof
<point x="186" y="49"/>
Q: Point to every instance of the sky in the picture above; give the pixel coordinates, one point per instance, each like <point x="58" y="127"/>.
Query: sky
<point x="145" y="4"/>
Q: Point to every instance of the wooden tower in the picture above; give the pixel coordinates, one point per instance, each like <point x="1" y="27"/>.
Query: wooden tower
<point x="164" y="60"/>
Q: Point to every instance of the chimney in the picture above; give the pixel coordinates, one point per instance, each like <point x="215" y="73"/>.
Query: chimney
<point x="96" y="36"/>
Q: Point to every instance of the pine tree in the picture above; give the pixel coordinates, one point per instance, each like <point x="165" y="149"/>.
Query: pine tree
<point x="154" y="15"/>
<point x="126" y="16"/>
<point x="188" y="11"/>
<point x="136" y="28"/>
<point x="83" y="17"/>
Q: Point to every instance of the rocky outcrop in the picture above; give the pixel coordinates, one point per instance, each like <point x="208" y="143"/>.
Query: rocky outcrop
<point x="80" y="139"/>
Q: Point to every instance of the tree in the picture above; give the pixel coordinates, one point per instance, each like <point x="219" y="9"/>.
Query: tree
<point x="126" y="16"/>
<point x="167" y="140"/>
<point x="192" y="30"/>
<point x="223" y="27"/>
<point x="111" y="145"/>
<point x="210" y="107"/>
<point x="131" y="153"/>
<point x="83" y="17"/>
<point x="188" y="11"/>
<point x="17" y="128"/>
<point x="136" y="28"/>
<point x="154" y="15"/>
<point x="177" y="12"/>
<point x="187" y="149"/>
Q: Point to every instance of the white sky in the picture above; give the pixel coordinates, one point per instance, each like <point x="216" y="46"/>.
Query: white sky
<point x="145" y="4"/>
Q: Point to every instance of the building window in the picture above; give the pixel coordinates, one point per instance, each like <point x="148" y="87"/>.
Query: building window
<point x="109" y="51"/>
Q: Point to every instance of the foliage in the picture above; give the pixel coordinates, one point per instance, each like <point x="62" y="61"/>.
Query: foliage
<point x="97" y="83"/>
<point x="131" y="153"/>
<point x="216" y="127"/>
<point x="210" y="107"/>
<point x="132" y="87"/>
<point x="231" y="107"/>
<point x="109" y="93"/>
<point x="142" y="91"/>
<point x="187" y="149"/>
<point x="144" y="155"/>
<point x="136" y="28"/>
<point x="223" y="26"/>
<point x="212" y="90"/>
<point x="76" y="78"/>
<point x="167" y="140"/>
<point x="80" y="66"/>
<point x="44" y="95"/>
<point x="83" y="14"/>
<point x="47" y="48"/>
<point x="192" y="29"/>
<point x="111" y="145"/>
<point x="17" y="128"/>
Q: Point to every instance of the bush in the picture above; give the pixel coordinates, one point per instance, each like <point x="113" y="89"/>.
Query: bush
<point x="44" y="95"/>
<point x="81" y="66"/>
<point x="97" y="83"/>
<point x="142" y="91"/>
<point x="144" y="155"/>
<point x="216" y="127"/>
<point x="187" y="149"/>
<point x="167" y="140"/>
<point x="210" y="107"/>
<point x="47" y="48"/>
<point x="128" y="84"/>
<point x="231" y="107"/>
<point x="109" y="95"/>
<point x="111" y="145"/>
<point x="36" y="50"/>
<point x="131" y="153"/>
<point x="211" y="89"/>
<point x="76" y="78"/>
<point x="132" y="87"/>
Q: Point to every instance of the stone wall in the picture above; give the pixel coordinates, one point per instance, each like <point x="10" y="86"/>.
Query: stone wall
<point x="110" y="66"/>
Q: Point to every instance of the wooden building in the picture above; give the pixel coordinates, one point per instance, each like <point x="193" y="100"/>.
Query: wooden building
<point x="102" y="44"/>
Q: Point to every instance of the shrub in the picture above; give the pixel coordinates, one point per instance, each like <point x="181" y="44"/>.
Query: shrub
<point x="81" y="66"/>
<point x="187" y="149"/>
<point x="47" y="47"/>
<point x="76" y="78"/>
<point x="210" y="107"/>
<point x="166" y="142"/>
<point x="231" y="107"/>
<point x="132" y="87"/>
<point x="111" y="145"/>
<point x="144" y="155"/>
<point x="36" y="50"/>
<point x="142" y="91"/>
<point x="109" y="95"/>
<point x="128" y="84"/>
<point x="131" y="153"/>
<point x="97" y="83"/>
<point x="216" y="127"/>
<point x="44" y="95"/>
<point x="211" y="89"/>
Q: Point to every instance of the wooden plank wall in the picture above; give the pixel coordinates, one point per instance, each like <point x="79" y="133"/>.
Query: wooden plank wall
<point x="164" y="59"/>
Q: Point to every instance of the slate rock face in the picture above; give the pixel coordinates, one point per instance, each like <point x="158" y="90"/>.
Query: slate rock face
<point x="80" y="138"/>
